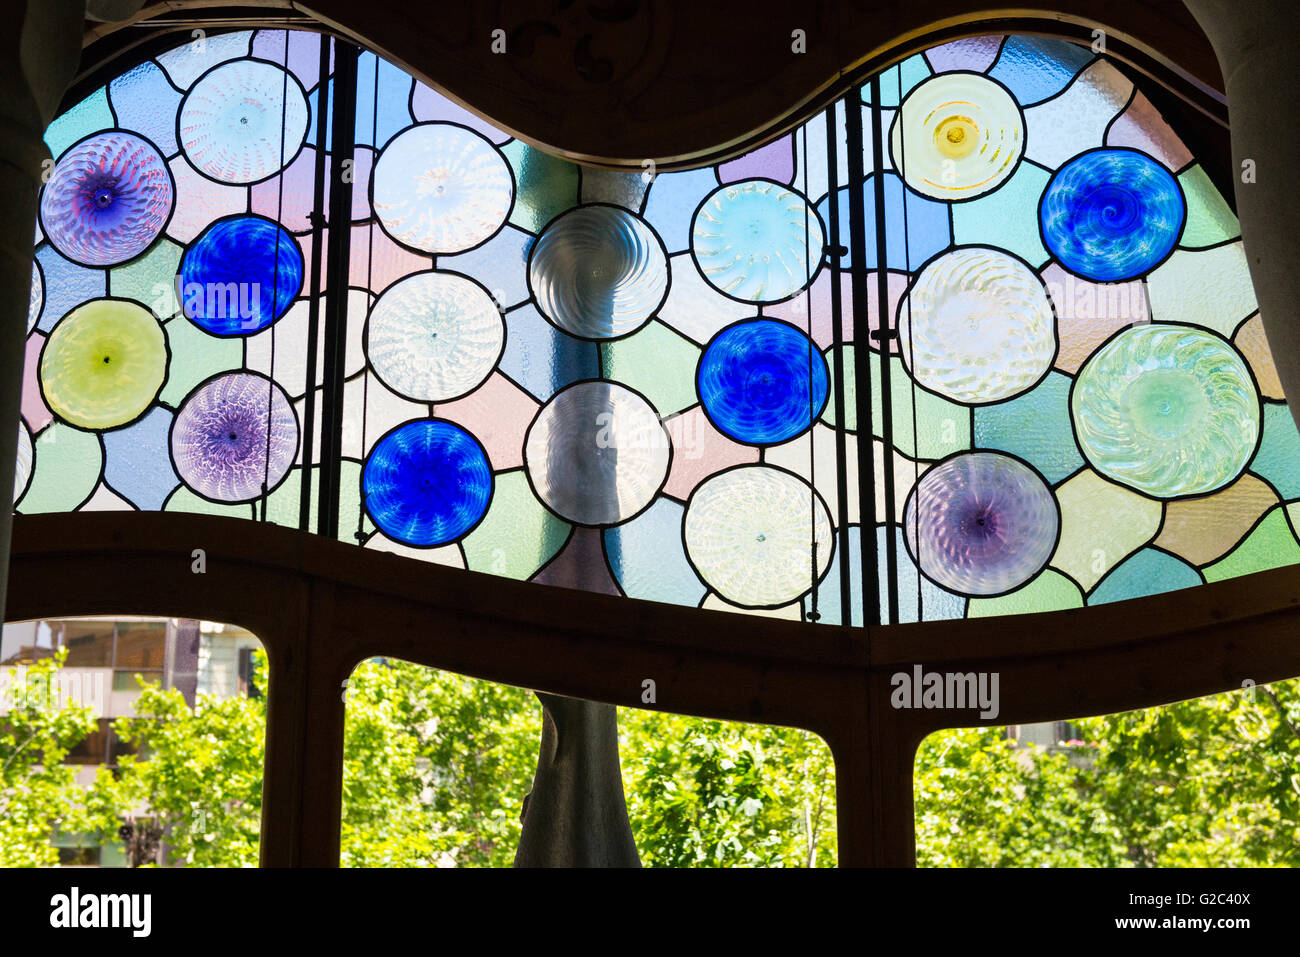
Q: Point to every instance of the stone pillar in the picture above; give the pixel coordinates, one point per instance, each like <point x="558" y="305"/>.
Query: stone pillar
<point x="42" y="40"/>
<point x="576" y="815"/>
<point x="1256" y="46"/>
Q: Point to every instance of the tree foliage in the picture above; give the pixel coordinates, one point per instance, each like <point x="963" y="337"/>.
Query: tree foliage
<point x="436" y="767"/>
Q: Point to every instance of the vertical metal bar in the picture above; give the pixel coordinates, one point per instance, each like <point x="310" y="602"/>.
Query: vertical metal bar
<point x="313" y="303"/>
<point x="884" y="335"/>
<point x="862" y="353"/>
<point x="837" y="363"/>
<point x="344" y="117"/>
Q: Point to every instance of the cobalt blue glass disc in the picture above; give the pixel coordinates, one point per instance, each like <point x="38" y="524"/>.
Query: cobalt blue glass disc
<point x="754" y="381"/>
<point x="240" y="275"/>
<point x="427" y="482"/>
<point x="1112" y="215"/>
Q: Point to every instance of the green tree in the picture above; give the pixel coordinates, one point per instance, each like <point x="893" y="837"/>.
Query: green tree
<point x="39" y="796"/>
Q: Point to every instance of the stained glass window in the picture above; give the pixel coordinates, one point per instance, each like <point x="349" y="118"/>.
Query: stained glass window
<point x="658" y="385"/>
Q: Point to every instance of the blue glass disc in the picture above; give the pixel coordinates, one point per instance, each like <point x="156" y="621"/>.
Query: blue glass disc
<point x="1111" y="215"/>
<point x="427" y="482"/>
<point x="754" y="381"/>
<point x="228" y="274"/>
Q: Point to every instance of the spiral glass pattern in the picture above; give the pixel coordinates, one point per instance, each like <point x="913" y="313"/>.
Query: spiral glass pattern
<point x="240" y="275"/>
<point x="243" y="121"/>
<point x="757" y="241"/>
<point x="108" y="199"/>
<point x="434" y="336"/>
<point x="957" y="136"/>
<point x="762" y="381"/>
<point x="977" y="326"/>
<point x="749" y="533"/>
<point x="441" y="188"/>
<point x="598" y="272"/>
<point x="1168" y="410"/>
<point x="1112" y="214"/>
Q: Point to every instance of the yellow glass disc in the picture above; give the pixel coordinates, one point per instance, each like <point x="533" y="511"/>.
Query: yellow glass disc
<point x="957" y="136"/>
<point x="103" y="364"/>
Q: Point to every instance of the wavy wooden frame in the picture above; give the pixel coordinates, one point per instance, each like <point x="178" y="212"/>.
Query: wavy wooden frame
<point x="321" y="607"/>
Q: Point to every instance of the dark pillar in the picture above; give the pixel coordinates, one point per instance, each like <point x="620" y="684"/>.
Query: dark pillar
<point x="42" y="46"/>
<point x="575" y="815"/>
<point x="1256" y="46"/>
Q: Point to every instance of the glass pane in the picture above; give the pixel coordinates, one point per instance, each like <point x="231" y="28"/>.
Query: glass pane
<point x="141" y="644"/>
<point x="89" y="643"/>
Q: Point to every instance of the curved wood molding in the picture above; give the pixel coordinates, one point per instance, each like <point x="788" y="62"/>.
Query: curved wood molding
<point x="614" y="82"/>
<point x="321" y="607"/>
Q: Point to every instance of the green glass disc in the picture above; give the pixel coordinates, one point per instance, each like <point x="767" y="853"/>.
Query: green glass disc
<point x="1167" y="410"/>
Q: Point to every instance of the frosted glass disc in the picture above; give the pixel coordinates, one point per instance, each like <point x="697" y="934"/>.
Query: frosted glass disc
<point x="957" y="136"/>
<point x="977" y="326"/>
<point x="103" y="364"/>
<point x="233" y="119"/>
<point x="985" y="523"/>
<point x="1111" y="214"/>
<point x="757" y="241"/>
<point x="1168" y="410"/>
<point x="749" y="534"/>
<point x="220" y="441"/>
<point x="108" y="199"/>
<point x="596" y="453"/>
<point x="23" y="461"/>
<point x="434" y="336"/>
<point x="441" y="188"/>
<point x="598" y="272"/>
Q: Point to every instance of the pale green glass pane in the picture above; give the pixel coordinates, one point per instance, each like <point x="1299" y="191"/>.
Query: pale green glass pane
<point x="1207" y="287"/>
<point x="1271" y="545"/>
<point x="518" y="535"/>
<point x="544" y="186"/>
<point x="658" y="363"/>
<point x="183" y="500"/>
<point x="89" y="116"/>
<point x="1007" y="218"/>
<point x="1101" y="524"/>
<point x="195" y="356"/>
<point x="942" y="427"/>
<point x="67" y="470"/>
<point x="1050" y="591"/>
<point x="151" y="279"/>
<point x="1209" y="220"/>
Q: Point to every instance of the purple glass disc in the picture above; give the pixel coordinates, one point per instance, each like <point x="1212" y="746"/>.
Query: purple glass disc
<point x="219" y="439"/>
<point x="108" y="199"/>
<point x="986" y="523"/>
